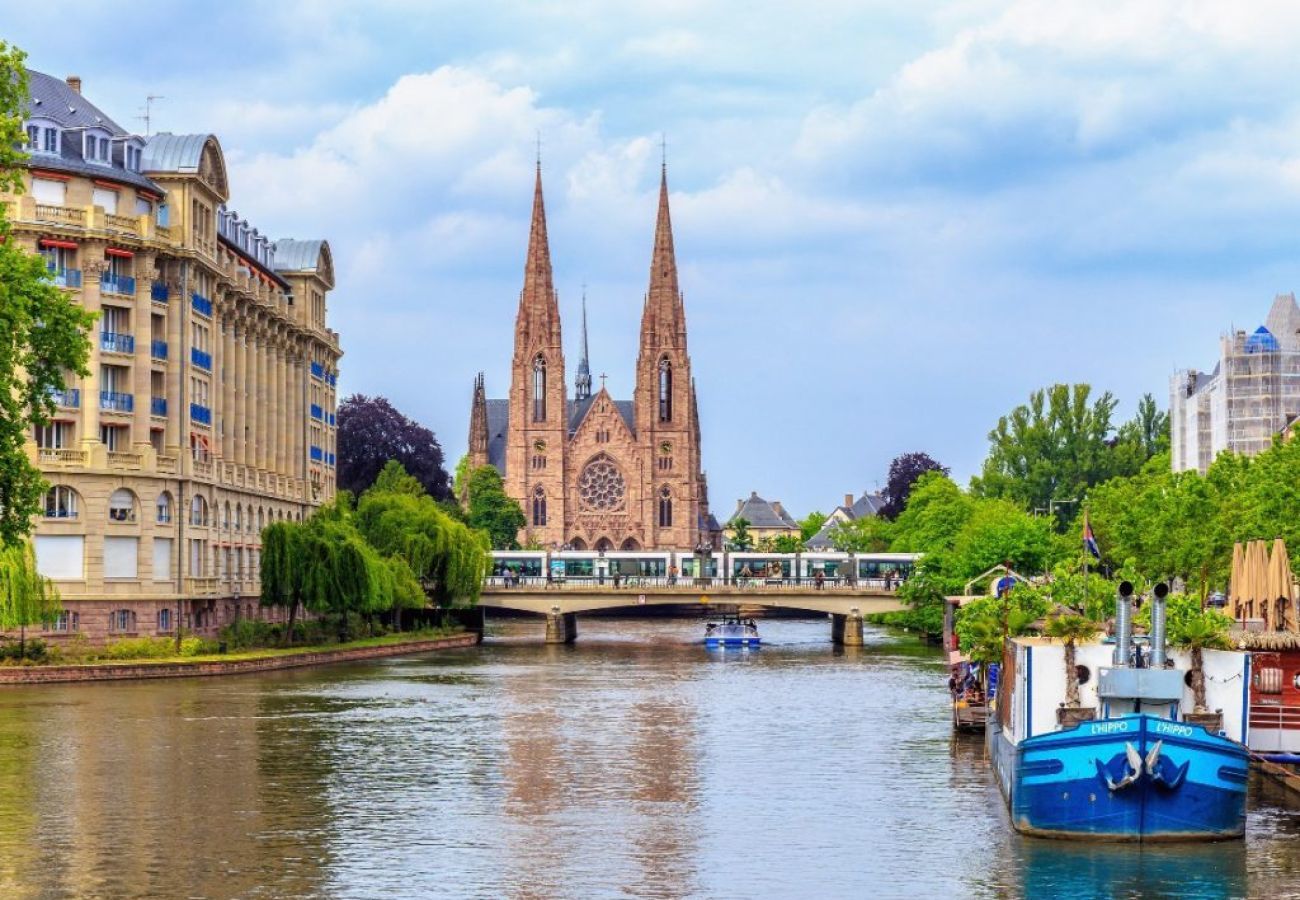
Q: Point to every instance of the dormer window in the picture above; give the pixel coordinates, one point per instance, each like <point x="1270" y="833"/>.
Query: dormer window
<point x="95" y="148"/>
<point x="42" y="138"/>
<point x="133" y="156"/>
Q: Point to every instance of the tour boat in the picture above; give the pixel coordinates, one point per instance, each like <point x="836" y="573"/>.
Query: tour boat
<point x="731" y="634"/>
<point x="1132" y="762"/>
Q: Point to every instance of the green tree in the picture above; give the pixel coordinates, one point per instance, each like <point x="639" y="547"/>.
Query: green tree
<point x="810" y="524"/>
<point x="460" y="480"/>
<point x="1148" y="430"/>
<point x="26" y="596"/>
<point x="43" y="332"/>
<point x="1054" y="447"/>
<point x="740" y="538"/>
<point x="1197" y="632"/>
<point x="868" y="534"/>
<point x="935" y="514"/>
<point x="1071" y="629"/>
<point x="492" y="510"/>
<point x="781" y="543"/>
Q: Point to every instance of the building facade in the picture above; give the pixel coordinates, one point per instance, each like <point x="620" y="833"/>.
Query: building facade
<point x="593" y="472"/>
<point x="764" y="519"/>
<point x="1252" y="393"/>
<point x="209" y="408"/>
<point x="866" y="506"/>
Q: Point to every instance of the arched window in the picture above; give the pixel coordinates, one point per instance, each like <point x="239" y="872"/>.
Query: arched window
<point x="121" y="620"/>
<point x="539" y="389"/>
<point x="665" y="390"/>
<point x="260" y="519"/>
<point x="239" y="517"/>
<point x="60" y="503"/>
<point x="665" y="507"/>
<point x="121" y="506"/>
<point x="164" y="507"/>
<point x="164" y="619"/>
<point x="198" y="510"/>
<point x="225" y="516"/>
<point x="539" y="507"/>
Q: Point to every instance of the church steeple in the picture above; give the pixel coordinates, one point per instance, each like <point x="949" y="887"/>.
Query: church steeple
<point x="539" y="314"/>
<point x="582" y="383"/>
<point x="663" y="320"/>
<point x="478" y="425"/>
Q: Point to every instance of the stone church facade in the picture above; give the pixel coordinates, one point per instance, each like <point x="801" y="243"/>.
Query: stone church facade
<point x="592" y="472"/>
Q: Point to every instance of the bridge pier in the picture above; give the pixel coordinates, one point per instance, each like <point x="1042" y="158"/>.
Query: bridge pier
<point x="561" y="628"/>
<point x="846" y="630"/>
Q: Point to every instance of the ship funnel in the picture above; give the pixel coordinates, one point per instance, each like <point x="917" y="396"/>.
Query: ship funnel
<point x="1123" y="626"/>
<point x="1159" y="627"/>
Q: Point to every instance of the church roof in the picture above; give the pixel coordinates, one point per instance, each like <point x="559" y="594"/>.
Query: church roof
<point x="578" y="410"/>
<point x="498" y="422"/>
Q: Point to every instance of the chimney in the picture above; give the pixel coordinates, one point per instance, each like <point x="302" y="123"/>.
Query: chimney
<point x="848" y="499"/>
<point x="776" y="505"/>
<point x="74" y="82"/>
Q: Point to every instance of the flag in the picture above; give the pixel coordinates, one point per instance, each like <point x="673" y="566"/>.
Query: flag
<point x="1090" y="539"/>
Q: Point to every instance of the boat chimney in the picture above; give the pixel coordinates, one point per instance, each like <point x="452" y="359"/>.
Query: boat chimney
<point x="1124" y="626"/>
<point x="1159" y="626"/>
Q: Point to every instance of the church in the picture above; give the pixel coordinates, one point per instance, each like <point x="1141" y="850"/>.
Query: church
<point x="592" y="472"/>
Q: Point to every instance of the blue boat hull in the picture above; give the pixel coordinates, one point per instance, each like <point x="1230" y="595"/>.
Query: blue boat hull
<point x="1070" y="784"/>
<point x="732" y="642"/>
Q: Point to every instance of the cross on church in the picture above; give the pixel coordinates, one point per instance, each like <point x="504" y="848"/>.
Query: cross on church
<point x="603" y="376"/>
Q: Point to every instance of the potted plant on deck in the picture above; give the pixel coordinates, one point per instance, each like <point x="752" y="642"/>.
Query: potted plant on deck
<point x="1200" y="631"/>
<point x="1072" y="629"/>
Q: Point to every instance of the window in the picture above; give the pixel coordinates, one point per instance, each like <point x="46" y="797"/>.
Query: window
<point x="33" y="137"/>
<point x="164" y="215"/>
<point x="121" y="620"/>
<point x="95" y="149"/>
<point x="143" y="207"/>
<point x="105" y="198"/>
<point x="132" y="157"/>
<point x="162" y="559"/>
<point x="601" y="486"/>
<point x="54" y="436"/>
<point x="239" y="517"/>
<point x="59" y="259"/>
<point x="665" y="390"/>
<point x="121" y="557"/>
<point x="164" y="619"/>
<point x="539" y="507"/>
<point x="60" y="503"/>
<point x="225" y="515"/>
<point x="164" y="507"/>
<point x="539" y="389"/>
<point x="48" y="191"/>
<point x="665" y="507"/>
<point x="115" y="438"/>
<point x="198" y="510"/>
<point x="65" y="621"/>
<point x="51" y="140"/>
<point x="121" y="506"/>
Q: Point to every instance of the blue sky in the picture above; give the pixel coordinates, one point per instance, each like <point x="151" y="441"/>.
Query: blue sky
<point x="894" y="219"/>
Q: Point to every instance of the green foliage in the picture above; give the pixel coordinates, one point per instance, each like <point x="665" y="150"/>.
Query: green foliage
<point x="810" y="524"/>
<point x="740" y="539"/>
<point x="26" y="597"/>
<point x="460" y="478"/>
<point x="154" y="648"/>
<point x="868" y="534"/>
<point x="43" y="332"/>
<point x="492" y="510"/>
<point x="1072" y="628"/>
<point x="781" y="543"/>
<point x="393" y="479"/>
<point x="936" y="512"/>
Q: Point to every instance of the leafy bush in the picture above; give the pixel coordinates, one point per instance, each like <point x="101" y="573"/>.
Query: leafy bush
<point x="12" y="651"/>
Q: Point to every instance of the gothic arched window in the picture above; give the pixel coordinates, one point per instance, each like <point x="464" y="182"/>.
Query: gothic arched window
<point x="539" y="507"/>
<point x="665" y="508"/>
<point x="601" y="486"/>
<point x="539" y="389"/>
<point x="665" y="390"/>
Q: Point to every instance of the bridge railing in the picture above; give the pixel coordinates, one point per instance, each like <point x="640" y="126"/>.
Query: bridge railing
<point x="756" y="584"/>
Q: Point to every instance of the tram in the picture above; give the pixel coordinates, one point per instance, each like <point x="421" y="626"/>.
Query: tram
<point x="668" y="567"/>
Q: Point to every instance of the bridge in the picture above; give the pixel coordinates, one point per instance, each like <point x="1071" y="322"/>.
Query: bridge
<point x="561" y="600"/>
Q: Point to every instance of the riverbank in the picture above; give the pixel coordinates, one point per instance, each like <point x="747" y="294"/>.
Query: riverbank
<point x="263" y="660"/>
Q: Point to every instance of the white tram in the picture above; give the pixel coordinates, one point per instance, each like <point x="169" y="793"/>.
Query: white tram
<point x="740" y="567"/>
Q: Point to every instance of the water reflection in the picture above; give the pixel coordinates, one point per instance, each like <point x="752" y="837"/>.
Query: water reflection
<point x="633" y="764"/>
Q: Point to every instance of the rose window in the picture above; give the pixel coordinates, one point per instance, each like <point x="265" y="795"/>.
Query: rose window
<point x="601" y="485"/>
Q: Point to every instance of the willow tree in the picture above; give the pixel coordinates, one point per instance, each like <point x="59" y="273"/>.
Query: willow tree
<point x="26" y="596"/>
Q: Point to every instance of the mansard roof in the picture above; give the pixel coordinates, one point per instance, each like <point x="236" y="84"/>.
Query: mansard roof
<point x="305" y="256"/>
<point x="760" y="513"/>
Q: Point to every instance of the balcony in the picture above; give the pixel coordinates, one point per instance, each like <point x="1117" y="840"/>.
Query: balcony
<point x="332" y="380"/>
<point x="202" y="305"/>
<point x="201" y="415"/>
<point x="332" y="420"/>
<point x="125" y="224"/>
<point x="112" y="401"/>
<point x="167" y="465"/>
<point x="65" y="278"/>
<point x="159" y="292"/>
<point x="317" y="412"/>
<point x="62" y="215"/>
<point x="68" y="398"/>
<point x="118" y="459"/>
<point x="317" y="455"/>
<point x="158" y="349"/>
<point x="115" y="342"/>
<point x="157" y="406"/>
<point x="201" y="359"/>
<point x="116" y="284"/>
<point x="317" y="370"/>
<point x="58" y="456"/>
<point x="329" y="459"/>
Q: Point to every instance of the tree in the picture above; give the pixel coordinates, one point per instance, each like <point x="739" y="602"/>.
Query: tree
<point x="810" y="524"/>
<point x="492" y="510"/>
<point x="1148" y="429"/>
<point x="1071" y="629"/>
<point x="868" y="534"/>
<point x="781" y="543"/>
<point x="740" y="539"/>
<point x="26" y="596"/>
<point x="903" y="473"/>
<point x="1197" y="632"/>
<point x="372" y="432"/>
<point x="1053" y="448"/>
<point x="43" y="332"/>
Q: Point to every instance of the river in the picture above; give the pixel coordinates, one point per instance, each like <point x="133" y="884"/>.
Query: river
<point x="632" y="764"/>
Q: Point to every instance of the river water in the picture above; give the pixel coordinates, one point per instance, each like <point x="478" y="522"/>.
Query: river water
<point x="633" y="764"/>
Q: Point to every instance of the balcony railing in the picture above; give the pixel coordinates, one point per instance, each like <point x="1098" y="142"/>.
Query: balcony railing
<point x="201" y="359"/>
<point x="332" y="380"/>
<point x="118" y="459"/>
<point x="129" y="224"/>
<point x="115" y="342"/>
<point x="200" y="414"/>
<point x="112" y="401"/>
<point x="317" y="370"/>
<point x="329" y="459"/>
<point x="316" y="411"/>
<point x="167" y="465"/>
<point x="157" y="406"/>
<point x="202" y="305"/>
<point x="46" y="212"/>
<point x="159" y="292"/>
<point x="68" y="398"/>
<point x="333" y="420"/>
<point x="158" y="349"/>
<point x="116" y="284"/>
<point x="59" y="456"/>
<point x="65" y="278"/>
<point x="317" y="455"/>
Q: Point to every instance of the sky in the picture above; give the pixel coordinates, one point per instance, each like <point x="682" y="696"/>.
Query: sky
<point x="893" y="220"/>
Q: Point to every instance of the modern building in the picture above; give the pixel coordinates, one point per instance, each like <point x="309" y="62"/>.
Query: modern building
<point x="869" y="504"/>
<point x="593" y="472"/>
<point x="766" y="518"/>
<point x="209" y="408"/>
<point x="1252" y="393"/>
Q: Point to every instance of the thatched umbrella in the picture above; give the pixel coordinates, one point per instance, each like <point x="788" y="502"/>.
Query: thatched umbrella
<point x="1235" y="595"/>
<point x="1281" y="589"/>
<point x="1258" y="579"/>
